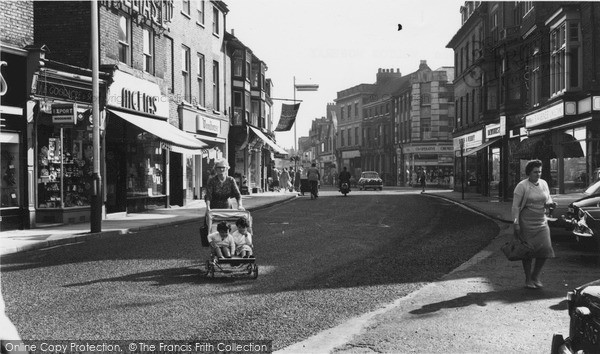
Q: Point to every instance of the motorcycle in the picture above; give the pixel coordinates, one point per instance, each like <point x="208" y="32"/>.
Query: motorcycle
<point x="345" y="188"/>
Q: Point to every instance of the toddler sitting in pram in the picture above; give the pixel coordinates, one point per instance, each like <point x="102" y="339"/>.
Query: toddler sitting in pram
<point x="242" y="238"/>
<point x="221" y="242"/>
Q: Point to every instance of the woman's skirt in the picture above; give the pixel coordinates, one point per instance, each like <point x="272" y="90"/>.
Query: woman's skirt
<point x="535" y="230"/>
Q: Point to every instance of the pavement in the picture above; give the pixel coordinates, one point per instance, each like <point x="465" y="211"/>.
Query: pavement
<point x="482" y="306"/>
<point x="43" y="236"/>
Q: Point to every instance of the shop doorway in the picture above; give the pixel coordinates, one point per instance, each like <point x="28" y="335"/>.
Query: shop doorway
<point x="495" y="182"/>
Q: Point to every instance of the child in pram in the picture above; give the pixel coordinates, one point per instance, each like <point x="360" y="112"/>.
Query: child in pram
<point x="221" y="242"/>
<point x="242" y="238"/>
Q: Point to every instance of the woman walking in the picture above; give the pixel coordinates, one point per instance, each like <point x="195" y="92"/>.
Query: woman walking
<point x="531" y="198"/>
<point x="221" y="188"/>
<point x="284" y="180"/>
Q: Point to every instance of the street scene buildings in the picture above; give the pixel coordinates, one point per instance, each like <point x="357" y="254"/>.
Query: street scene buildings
<point x="179" y="90"/>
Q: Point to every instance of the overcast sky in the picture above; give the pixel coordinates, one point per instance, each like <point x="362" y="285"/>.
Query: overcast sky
<point x="338" y="44"/>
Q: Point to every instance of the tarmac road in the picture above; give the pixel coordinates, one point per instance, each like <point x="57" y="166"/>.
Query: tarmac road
<point x="321" y="262"/>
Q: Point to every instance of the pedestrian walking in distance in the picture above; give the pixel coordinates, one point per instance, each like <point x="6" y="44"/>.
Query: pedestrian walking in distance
<point x="314" y="176"/>
<point x="531" y="198"/>
<point x="423" y="180"/>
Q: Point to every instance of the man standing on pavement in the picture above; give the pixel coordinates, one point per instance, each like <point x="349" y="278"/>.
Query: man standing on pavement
<point x="313" y="178"/>
<point x="344" y="177"/>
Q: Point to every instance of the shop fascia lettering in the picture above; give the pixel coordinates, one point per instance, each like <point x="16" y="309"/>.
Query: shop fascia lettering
<point x="208" y="124"/>
<point x="428" y="148"/>
<point x="157" y="11"/>
<point x="470" y="140"/>
<point x="498" y="129"/>
<point x="138" y="101"/>
<point x="128" y="91"/>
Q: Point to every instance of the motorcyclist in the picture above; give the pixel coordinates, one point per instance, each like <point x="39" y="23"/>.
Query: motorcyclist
<point x="344" y="177"/>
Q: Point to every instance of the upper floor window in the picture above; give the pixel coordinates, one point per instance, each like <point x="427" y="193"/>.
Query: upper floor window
<point x="216" y="102"/>
<point x="565" y="57"/>
<point x="356" y="110"/>
<point x="201" y="88"/>
<point x="527" y="6"/>
<point x="425" y="128"/>
<point x="185" y="7"/>
<point x="200" y="9"/>
<point x="238" y="63"/>
<point x="349" y="114"/>
<point x="215" y="20"/>
<point x="342" y="110"/>
<point x="255" y="74"/>
<point x="185" y="73"/>
<point x="125" y="40"/>
<point x="148" y="50"/>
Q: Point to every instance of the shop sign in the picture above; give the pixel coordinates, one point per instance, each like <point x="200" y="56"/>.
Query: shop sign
<point x="350" y="154"/>
<point x="207" y="124"/>
<point x="427" y="149"/>
<point x="128" y="91"/>
<point x="471" y="140"/>
<point x="498" y="129"/>
<point x="64" y="113"/>
<point x="156" y="11"/>
<point x="546" y="115"/>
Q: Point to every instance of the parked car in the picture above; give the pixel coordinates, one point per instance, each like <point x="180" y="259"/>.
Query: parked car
<point x="584" y="219"/>
<point x="370" y="179"/>
<point x="584" y="327"/>
<point x="566" y="208"/>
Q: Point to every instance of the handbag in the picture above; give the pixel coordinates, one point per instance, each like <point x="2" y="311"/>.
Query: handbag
<point x="516" y="250"/>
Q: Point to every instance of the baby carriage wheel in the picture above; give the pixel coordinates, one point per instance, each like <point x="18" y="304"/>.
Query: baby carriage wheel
<point x="254" y="271"/>
<point x="210" y="269"/>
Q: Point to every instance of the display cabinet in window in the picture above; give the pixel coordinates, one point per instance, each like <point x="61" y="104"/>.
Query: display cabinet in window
<point x="64" y="170"/>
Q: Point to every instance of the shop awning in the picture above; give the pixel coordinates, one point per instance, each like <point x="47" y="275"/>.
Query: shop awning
<point x="276" y="148"/>
<point x="540" y="146"/>
<point x="480" y="147"/>
<point x="163" y="131"/>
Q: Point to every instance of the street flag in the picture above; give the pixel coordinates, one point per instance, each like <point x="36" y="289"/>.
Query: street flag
<point x="334" y="120"/>
<point x="288" y="117"/>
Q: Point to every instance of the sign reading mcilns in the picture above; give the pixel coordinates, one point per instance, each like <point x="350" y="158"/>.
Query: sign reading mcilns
<point x="64" y="113"/>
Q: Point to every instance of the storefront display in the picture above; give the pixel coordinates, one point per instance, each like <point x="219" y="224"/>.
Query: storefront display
<point x="9" y="170"/>
<point x="64" y="165"/>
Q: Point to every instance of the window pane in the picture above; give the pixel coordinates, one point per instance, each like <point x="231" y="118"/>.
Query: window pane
<point x="123" y="30"/>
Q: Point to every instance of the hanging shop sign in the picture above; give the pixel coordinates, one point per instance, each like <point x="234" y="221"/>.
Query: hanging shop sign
<point x="494" y="130"/>
<point x="64" y="113"/>
<point x="130" y="92"/>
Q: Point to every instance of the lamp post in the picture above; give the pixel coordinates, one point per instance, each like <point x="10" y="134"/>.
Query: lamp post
<point x="299" y="87"/>
<point x="96" y="199"/>
<point x="462" y="167"/>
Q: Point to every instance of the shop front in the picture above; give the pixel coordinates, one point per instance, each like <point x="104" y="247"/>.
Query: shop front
<point x="62" y="143"/>
<point x="435" y="160"/>
<point x="262" y="151"/>
<point x="352" y="160"/>
<point x="14" y="197"/>
<point x="190" y="170"/>
<point x="138" y="144"/>
<point x="564" y="137"/>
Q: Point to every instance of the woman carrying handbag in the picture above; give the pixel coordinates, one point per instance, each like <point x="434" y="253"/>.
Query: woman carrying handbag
<point x="531" y="198"/>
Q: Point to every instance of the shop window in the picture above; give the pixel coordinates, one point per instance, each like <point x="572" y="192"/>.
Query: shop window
<point x="145" y="164"/>
<point x="64" y="164"/>
<point x="575" y="170"/>
<point x="9" y="169"/>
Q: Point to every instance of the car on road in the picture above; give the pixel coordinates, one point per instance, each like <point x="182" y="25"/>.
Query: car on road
<point x="370" y="179"/>
<point x="584" y="326"/>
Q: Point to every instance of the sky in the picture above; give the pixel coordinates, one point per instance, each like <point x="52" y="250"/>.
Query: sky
<point x="339" y="44"/>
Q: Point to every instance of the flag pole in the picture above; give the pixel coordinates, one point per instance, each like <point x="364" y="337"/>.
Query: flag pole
<point x="295" y="140"/>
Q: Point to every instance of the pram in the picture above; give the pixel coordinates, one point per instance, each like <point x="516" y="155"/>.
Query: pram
<point x="233" y="265"/>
